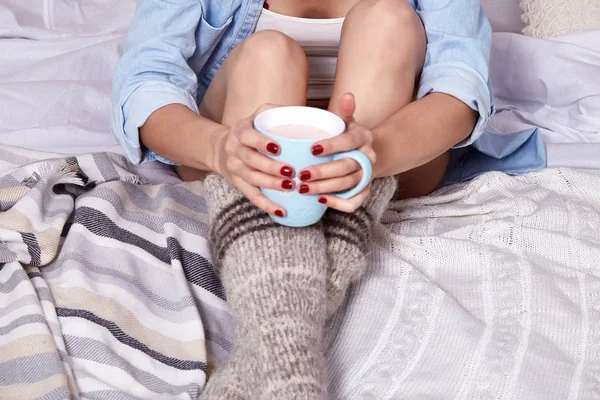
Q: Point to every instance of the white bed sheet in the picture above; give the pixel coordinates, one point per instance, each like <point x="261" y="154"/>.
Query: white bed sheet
<point x="57" y="57"/>
<point x="552" y="84"/>
<point x="56" y="63"/>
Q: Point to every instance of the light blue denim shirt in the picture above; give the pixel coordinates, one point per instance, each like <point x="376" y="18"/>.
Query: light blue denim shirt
<point x="174" y="48"/>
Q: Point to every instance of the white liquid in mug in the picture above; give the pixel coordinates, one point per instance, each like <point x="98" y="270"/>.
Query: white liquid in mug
<point x="299" y="132"/>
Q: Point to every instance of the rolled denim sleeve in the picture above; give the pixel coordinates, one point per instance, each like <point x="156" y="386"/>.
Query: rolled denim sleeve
<point x="458" y="52"/>
<point x="154" y="72"/>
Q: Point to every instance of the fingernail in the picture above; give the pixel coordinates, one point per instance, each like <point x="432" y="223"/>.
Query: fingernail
<point x="322" y="200"/>
<point x="303" y="189"/>
<point x="273" y="148"/>
<point x="279" y="213"/>
<point x="316" y="150"/>
<point x="287" y="171"/>
<point x="305" y="175"/>
<point x="287" y="184"/>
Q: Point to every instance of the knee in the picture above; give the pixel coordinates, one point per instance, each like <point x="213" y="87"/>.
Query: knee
<point x="396" y="23"/>
<point x="272" y="51"/>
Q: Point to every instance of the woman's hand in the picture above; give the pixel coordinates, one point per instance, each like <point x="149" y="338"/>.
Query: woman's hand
<point x="341" y="175"/>
<point x="238" y="161"/>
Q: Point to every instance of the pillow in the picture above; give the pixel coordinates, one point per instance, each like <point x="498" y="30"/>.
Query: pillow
<point x="504" y="15"/>
<point x="547" y="18"/>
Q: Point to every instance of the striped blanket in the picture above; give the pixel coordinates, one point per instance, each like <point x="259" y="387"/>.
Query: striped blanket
<point x="106" y="285"/>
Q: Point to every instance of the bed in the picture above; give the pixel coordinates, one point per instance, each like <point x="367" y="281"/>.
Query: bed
<point x="486" y="289"/>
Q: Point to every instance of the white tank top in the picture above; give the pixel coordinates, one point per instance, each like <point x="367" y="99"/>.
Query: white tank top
<point x="320" y="39"/>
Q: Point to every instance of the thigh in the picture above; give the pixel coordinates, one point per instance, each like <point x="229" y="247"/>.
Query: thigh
<point x="213" y="102"/>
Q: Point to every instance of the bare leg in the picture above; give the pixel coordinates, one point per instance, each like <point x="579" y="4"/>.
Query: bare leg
<point x="268" y="67"/>
<point x="381" y="55"/>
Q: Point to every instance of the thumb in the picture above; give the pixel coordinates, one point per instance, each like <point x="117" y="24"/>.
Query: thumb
<point x="346" y="107"/>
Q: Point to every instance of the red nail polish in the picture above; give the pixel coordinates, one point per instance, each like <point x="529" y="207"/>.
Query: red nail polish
<point x="303" y="189"/>
<point x="322" y="200"/>
<point x="316" y="150"/>
<point x="305" y="175"/>
<point x="287" y="171"/>
<point x="266" y="5"/>
<point x="287" y="184"/>
<point x="279" y="213"/>
<point x="273" y="148"/>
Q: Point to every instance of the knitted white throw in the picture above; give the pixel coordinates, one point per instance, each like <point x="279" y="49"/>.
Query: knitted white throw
<point x="547" y="18"/>
<point x="486" y="290"/>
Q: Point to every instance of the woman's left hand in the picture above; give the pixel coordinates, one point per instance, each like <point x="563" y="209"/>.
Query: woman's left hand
<point x="341" y="175"/>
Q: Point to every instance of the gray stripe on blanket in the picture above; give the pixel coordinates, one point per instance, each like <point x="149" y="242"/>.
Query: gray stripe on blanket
<point x="9" y="181"/>
<point x="143" y="202"/>
<point x="20" y="302"/>
<point x="60" y="393"/>
<point x="44" y="294"/>
<point x="11" y="283"/>
<point x="33" y="248"/>
<point x="15" y="159"/>
<point x="6" y="254"/>
<point x="113" y="395"/>
<point x="106" y="167"/>
<point x="24" y="320"/>
<point x="198" y="270"/>
<point x="181" y="310"/>
<point x="92" y="350"/>
<point x="117" y="332"/>
<point x="30" y="369"/>
<point x="176" y="194"/>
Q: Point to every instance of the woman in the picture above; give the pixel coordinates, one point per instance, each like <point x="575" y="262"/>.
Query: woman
<point x="410" y="78"/>
<point x="181" y="53"/>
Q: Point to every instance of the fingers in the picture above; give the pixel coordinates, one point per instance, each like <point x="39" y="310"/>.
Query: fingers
<point x="331" y="185"/>
<point x="239" y="168"/>
<point x="356" y="137"/>
<point x="260" y="162"/>
<point x="333" y="169"/>
<point x="251" y="138"/>
<point x="256" y="197"/>
<point x="343" y="205"/>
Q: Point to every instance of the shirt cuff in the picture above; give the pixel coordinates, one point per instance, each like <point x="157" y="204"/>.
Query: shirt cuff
<point x="466" y="85"/>
<point x="136" y="109"/>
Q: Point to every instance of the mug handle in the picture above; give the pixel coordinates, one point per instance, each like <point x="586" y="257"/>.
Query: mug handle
<point x="367" y="169"/>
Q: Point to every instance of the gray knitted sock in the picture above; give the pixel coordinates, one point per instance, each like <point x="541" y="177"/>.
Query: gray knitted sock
<point x="275" y="281"/>
<point x="348" y="236"/>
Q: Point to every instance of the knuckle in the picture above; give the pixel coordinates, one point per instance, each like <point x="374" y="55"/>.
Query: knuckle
<point x="355" y="141"/>
<point x="230" y="165"/>
<point x="256" y="200"/>
<point x="245" y="133"/>
<point x="229" y="146"/>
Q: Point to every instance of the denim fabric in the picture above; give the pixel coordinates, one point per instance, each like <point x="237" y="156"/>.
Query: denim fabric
<point x="174" y="48"/>
<point x="514" y="154"/>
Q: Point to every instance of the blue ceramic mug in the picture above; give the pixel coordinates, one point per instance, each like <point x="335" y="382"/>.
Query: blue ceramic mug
<point x="302" y="209"/>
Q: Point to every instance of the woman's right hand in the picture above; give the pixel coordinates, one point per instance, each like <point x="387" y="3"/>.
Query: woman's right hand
<point x="238" y="160"/>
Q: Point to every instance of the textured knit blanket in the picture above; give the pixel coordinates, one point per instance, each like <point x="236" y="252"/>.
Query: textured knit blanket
<point x="483" y="290"/>
<point x="106" y="289"/>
